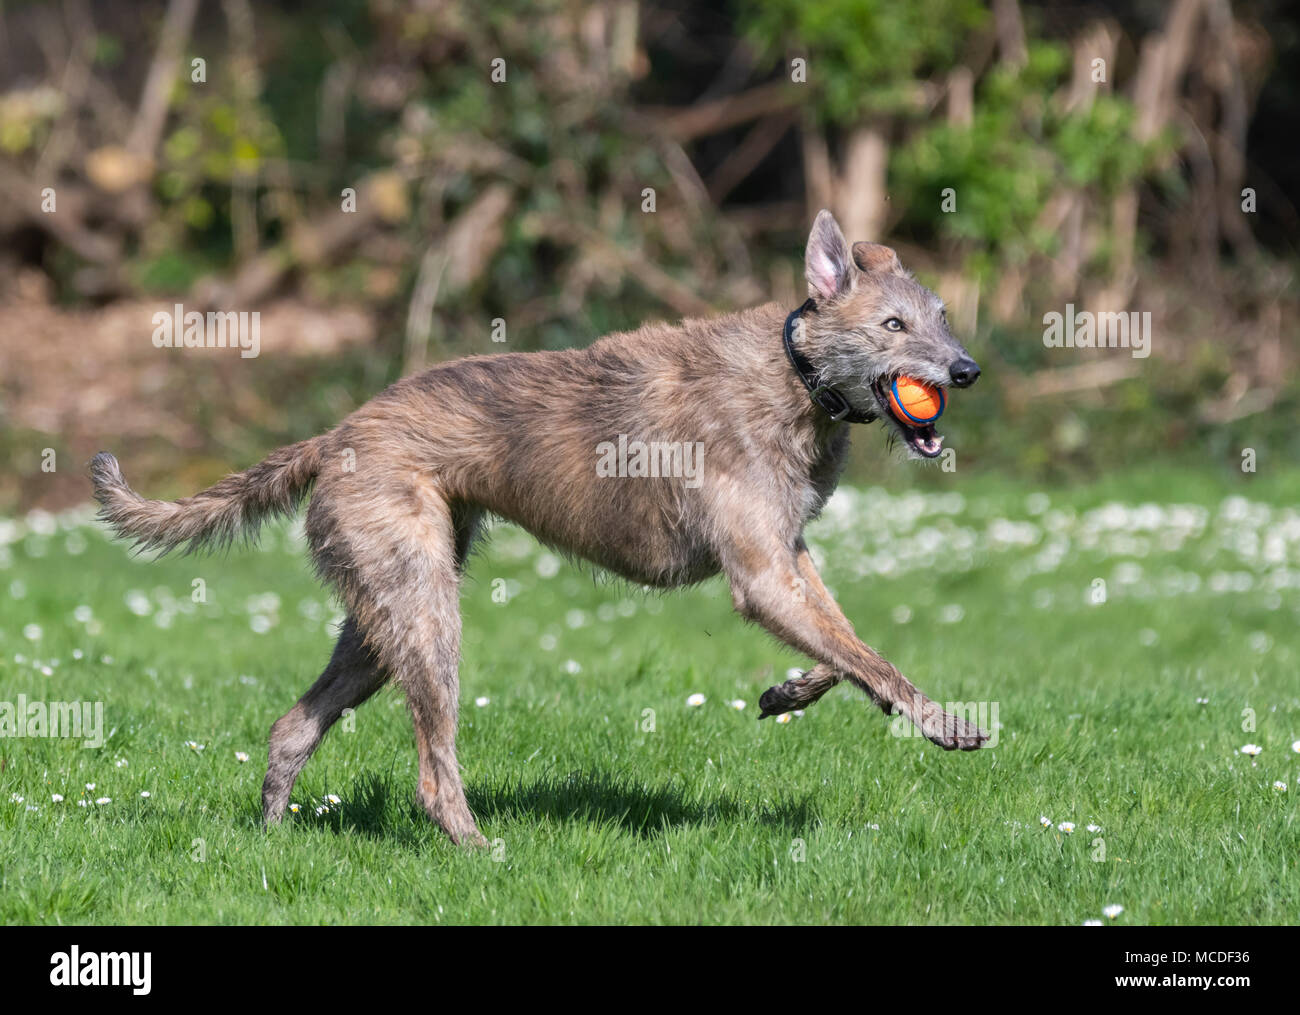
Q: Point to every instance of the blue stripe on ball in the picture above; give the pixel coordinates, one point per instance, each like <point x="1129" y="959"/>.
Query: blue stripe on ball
<point x="943" y="402"/>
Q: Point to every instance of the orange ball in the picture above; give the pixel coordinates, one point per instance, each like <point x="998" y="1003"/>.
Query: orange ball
<point x="914" y="403"/>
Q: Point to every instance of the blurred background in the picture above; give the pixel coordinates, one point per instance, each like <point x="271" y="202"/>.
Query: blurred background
<point x="639" y="160"/>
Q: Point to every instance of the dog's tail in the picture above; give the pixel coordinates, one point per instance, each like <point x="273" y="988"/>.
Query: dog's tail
<point x="213" y="518"/>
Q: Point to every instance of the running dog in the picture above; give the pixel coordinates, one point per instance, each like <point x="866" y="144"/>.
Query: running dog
<point x="399" y="487"/>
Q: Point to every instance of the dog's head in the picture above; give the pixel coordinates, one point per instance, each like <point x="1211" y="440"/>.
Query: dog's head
<point x="874" y="322"/>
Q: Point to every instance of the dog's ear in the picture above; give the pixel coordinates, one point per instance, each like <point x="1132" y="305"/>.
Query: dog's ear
<point x="826" y="263"/>
<point x="877" y="257"/>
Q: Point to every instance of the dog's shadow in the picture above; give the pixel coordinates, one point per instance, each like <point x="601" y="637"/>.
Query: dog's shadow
<point x="592" y="797"/>
<point x="599" y="797"/>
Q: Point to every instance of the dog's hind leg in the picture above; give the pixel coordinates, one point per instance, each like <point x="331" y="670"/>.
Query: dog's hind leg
<point x="352" y="676"/>
<point x="406" y="546"/>
<point x="427" y="656"/>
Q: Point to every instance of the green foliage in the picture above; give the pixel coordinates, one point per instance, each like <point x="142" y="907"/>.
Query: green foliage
<point x="108" y="50"/>
<point x="864" y="56"/>
<point x="1005" y="166"/>
<point x="171" y="272"/>
<point x="26" y="118"/>
<point x="218" y="140"/>
<point x="1095" y="148"/>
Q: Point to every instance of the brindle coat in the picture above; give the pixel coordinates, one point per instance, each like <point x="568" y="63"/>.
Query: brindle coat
<point x="401" y="485"/>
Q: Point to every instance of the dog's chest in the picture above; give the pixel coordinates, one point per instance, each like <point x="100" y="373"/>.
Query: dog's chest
<point x="821" y="474"/>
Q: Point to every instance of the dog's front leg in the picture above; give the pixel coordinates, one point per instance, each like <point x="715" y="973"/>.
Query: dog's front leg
<point x="779" y="588"/>
<point x="807" y="688"/>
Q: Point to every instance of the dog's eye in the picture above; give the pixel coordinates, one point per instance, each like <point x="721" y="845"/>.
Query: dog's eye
<point x="894" y="324"/>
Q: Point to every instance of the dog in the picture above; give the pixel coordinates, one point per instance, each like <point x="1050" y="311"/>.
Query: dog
<point x="399" y="488"/>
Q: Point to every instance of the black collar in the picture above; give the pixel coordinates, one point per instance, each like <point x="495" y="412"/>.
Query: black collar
<point x="825" y="398"/>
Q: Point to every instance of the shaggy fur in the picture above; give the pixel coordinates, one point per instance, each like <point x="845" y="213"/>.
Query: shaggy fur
<point x="401" y="484"/>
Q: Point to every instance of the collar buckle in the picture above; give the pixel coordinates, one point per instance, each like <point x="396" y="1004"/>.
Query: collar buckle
<point x="831" y="402"/>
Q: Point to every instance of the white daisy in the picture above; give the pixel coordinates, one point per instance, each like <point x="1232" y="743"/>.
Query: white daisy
<point x="330" y="798"/>
<point x="144" y="793"/>
<point x="1112" y="911"/>
<point x="1251" y="749"/>
<point x="56" y="798"/>
<point x="295" y="808"/>
<point x="1045" y="821"/>
<point x="1066" y="826"/>
<point x="783" y="718"/>
<point x="1092" y="923"/>
<point x="696" y="700"/>
<point x="241" y="756"/>
<point x="737" y="704"/>
<point x="483" y="701"/>
<point x="1280" y="786"/>
<point x="104" y="800"/>
<point x="1094" y="828"/>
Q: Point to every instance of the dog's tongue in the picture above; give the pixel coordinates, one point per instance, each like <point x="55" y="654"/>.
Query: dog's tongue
<point x="927" y="441"/>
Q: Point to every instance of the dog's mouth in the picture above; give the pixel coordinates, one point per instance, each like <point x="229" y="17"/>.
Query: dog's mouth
<point x="925" y="440"/>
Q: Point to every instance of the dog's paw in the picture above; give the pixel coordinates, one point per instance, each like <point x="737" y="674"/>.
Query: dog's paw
<point x="797" y="692"/>
<point x="951" y="732"/>
<point x="471" y="839"/>
<point x="775" y="701"/>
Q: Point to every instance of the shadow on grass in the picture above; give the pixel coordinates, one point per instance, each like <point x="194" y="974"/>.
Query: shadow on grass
<point x="601" y="798"/>
<point x="368" y="809"/>
<point x="596" y="798"/>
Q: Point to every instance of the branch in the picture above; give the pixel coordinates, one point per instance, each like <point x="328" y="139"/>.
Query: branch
<point x="719" y="114"/>
<point x="156" y="97"/>
<point x="1084" y="377"/>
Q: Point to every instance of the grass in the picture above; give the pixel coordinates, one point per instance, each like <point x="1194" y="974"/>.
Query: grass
<point x="980" y="593"/>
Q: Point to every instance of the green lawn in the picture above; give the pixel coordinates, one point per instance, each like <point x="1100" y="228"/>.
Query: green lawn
<point x="983" y="592"/>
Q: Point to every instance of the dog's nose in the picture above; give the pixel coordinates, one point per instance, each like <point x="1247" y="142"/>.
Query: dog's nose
<point x="964" y="372"/>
